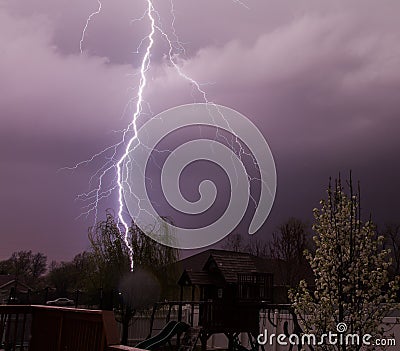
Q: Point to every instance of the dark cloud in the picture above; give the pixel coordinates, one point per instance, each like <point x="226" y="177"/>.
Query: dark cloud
<point x="320" y="79"/>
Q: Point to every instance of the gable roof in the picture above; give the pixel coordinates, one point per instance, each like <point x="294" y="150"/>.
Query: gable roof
<point x="189" y="277"/>
<point x="6" y="280"/>
<point x="231" y="263"/>
<point x="195" y="262"/>
<point x="228" y="264"/>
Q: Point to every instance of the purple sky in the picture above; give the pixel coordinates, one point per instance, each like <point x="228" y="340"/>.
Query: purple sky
<point x="320" y="80"/>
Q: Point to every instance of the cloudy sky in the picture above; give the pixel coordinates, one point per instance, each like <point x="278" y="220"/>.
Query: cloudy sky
<point x="321" y="80"/>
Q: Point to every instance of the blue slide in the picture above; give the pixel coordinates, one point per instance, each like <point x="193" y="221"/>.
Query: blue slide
<point x="166" y="334"/>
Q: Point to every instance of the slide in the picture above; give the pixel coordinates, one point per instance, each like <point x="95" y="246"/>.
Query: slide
<point x="166" y="334"/>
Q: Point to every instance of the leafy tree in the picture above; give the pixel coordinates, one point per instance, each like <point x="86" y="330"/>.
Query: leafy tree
<point x="60" y="277"/>
<point x="25" y="266"/>
<point x="37" y="265"/>
<point x="352" y="284"/>
<point x="113" y="265"/>
<point x="70" y="276"/>
<point x="110" y="254"/>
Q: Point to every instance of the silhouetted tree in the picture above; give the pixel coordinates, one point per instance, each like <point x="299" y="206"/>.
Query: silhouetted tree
<point x="112" y="258"/>
<point x="77" y="274"/>
<point x="235" y="242"/>
<point x="288" y="244"/>
<point x="60" y="277"/>
<point x="5" y="267"/>
<point x="258" y="248"/>
<point x="110" y="253"/>
<point x="37" y="266"/>
<point x="25" y="266"/>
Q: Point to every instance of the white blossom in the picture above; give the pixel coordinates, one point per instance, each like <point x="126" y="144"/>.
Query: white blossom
<point x="351" y="273"/>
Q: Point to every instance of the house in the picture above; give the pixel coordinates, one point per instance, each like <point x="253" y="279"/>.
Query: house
<point x="11" y="288"/>
<point x="241" y="274"/>
<point x="227" y="275"/>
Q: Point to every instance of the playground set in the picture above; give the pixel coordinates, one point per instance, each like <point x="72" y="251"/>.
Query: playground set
<point x="228" y="295"/>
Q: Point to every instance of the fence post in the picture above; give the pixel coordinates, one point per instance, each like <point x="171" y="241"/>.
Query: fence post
<point x="77" y="298"/>
<point x="101" y="298"/>
<point x="152" y="320"/>
<point x="46" y="294"/>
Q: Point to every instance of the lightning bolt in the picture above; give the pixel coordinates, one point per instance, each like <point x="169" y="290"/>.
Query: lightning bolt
<point x="116" y="163"/>
<point x="88" y="20"/>
<point x="142" y="84"/>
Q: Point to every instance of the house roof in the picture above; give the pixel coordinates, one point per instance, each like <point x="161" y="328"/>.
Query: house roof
<point x="231" y="263"/>
<point x="199" y="278"/>
<point x="6" y="280"/>
<point x="195" y="262"/>
<point x="228" y="264"/>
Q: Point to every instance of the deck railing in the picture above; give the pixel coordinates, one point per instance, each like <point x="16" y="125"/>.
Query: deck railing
<point x="45" y="328"/>
<point x="15" y="325"/>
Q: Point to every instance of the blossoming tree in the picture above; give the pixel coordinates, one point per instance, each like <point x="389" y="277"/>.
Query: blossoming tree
<point x="350" y="266"/>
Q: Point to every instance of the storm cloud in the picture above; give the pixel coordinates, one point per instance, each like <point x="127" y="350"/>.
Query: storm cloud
<point x="320" y="80"/>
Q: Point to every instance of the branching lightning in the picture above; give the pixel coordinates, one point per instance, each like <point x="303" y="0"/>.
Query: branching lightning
<point x="117" y="158"/>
